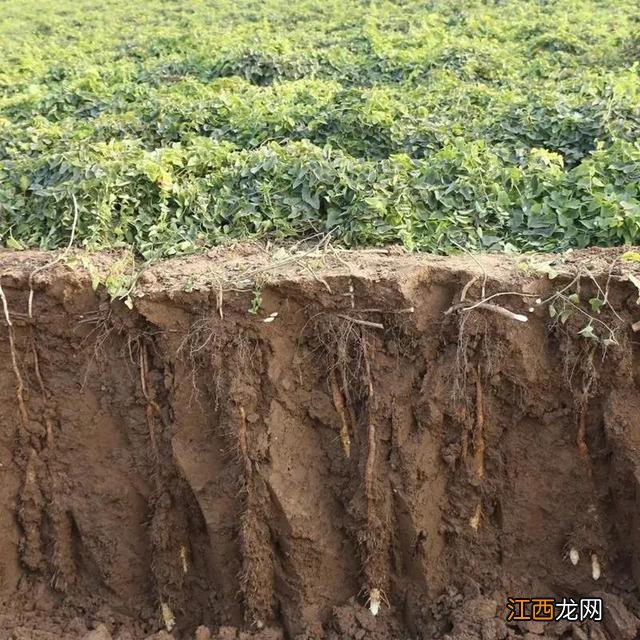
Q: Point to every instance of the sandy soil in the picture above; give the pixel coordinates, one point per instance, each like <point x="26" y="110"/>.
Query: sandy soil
<point x="258" y="443"/>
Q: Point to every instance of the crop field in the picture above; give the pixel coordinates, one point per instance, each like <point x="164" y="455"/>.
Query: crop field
<point x="339" y="338"/>
<point x="172" y="126"/>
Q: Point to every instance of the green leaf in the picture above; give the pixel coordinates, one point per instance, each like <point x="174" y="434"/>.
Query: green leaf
<point x="588" y="332"/>
<point x="547" y="269"/>
<point x="564" y="315"/>
<point x="596" y="304"/>
<point x="631" y="256"/>
<point x="12" y="243"/>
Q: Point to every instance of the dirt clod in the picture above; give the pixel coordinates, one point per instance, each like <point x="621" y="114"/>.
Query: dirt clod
<point x="202" y="633"/>
<point x="480" y="609"/>
<point x="226" y="633"/>
<point x="161" y="635"/>
<point x="494" y="629"/>
<point x="99" y="633"/>
<point x="578" y="634"/>
<point x="535" y="627"/>
<point x="618" y="620"/>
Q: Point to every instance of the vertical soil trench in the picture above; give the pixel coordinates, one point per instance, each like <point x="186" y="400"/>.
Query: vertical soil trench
<point x="349" y="445"/>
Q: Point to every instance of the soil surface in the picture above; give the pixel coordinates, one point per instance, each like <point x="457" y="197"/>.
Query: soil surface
<point x="272" y="444"/>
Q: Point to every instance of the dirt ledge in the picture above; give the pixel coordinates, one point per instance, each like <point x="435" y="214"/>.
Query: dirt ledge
<point x="257" y="441"/>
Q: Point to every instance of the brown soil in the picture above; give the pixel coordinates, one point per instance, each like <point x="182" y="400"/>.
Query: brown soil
<point x="188" y="459"/>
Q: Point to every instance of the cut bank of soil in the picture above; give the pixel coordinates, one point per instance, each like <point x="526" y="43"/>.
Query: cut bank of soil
<point x="261" y="474"/>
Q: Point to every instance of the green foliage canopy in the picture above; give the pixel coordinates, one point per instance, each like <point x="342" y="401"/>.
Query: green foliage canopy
<point x="178" y="124"/>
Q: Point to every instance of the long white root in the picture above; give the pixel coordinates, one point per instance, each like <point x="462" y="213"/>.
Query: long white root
<point x="596" y="569"/>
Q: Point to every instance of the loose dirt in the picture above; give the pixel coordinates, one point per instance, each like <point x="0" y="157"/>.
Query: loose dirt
<point x="269" y="445"/>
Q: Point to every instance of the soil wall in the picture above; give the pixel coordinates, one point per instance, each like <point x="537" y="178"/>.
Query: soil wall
<point x="262" y="445"/>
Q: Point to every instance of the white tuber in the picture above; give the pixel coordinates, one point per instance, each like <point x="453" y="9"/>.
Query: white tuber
<point x="474" y="521"/>
<point x="375" y="598"/>
<point x="574" y="556"/>
<point x="595" y="567"/>
<point x="167" y="617"/>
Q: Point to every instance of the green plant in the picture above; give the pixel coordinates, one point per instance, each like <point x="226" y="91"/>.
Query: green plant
<point x="508" y="126"/>
<point x="119" y="278"/>
<point x="256" y="300"/>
